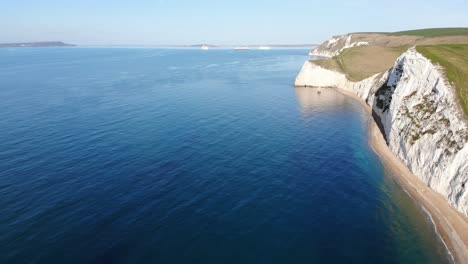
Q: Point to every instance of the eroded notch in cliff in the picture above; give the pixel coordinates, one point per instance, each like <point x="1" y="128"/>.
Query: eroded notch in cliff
<point x="384" y="94"/>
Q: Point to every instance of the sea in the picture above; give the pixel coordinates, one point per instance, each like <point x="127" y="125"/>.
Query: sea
<point x="152" y="155"/>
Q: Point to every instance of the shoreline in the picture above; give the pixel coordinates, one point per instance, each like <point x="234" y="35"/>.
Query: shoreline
<point x="450" y="224"/>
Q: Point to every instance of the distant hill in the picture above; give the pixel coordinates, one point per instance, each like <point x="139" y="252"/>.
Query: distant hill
<point x="429" y="36"/>
<point x="433" y="32"/>
<point x="36" y="44"/>
<point x="425" y="32"/>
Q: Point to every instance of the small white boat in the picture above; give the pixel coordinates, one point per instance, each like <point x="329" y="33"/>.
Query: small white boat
<point x="264" y="48"/>
<point x="205" y="47"/>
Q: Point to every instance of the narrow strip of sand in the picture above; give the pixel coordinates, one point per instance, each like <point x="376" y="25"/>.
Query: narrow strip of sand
<point x="449" y="223"/>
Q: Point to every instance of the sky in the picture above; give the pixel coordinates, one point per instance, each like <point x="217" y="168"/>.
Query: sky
<point x="182" y="22"/>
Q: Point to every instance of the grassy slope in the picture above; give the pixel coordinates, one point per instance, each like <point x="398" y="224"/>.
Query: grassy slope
<point x="362" y="62"/>
<point x="427" y="32"/>
<point x="432" y="32"/>
<point x="454" y="59"/>
<point x="331" y="64"/>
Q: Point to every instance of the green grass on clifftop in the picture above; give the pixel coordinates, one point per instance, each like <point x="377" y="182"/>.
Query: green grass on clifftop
<point x="362" y="62"/>
<point x="454" y="59"/>
<point x="432" y="32"/>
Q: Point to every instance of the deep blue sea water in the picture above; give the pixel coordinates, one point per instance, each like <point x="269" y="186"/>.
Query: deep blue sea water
<point x="187" y="156"/>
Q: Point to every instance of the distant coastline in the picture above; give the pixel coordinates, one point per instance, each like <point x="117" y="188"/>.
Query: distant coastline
<point x="36" y="44"/>
<point x="199" y="46"/>
<point x="253" y="46"/>
<point x="194" y="46"/>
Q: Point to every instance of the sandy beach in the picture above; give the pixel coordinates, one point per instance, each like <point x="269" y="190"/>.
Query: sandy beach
<point x="450" y="224"/>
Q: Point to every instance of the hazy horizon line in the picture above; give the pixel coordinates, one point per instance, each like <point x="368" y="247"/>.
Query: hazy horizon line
<point x="162" y="45"/>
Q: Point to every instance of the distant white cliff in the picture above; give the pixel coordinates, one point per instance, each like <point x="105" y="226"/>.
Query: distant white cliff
<point x="336" y="45"/>
<point x="418" y="113"/>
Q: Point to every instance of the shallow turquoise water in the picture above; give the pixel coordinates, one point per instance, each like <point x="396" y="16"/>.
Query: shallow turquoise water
<point x="188" y="156"/>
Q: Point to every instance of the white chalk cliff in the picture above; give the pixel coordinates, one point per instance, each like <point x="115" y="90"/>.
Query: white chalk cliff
<point x="418" y="112"/>
<point x="336" y="45"/>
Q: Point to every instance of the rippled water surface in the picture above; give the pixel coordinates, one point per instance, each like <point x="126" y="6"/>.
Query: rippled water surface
<point x="188" y="156"/>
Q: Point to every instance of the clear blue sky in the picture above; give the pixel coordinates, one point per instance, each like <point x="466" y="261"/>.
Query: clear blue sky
<point x="217" y="22"/>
